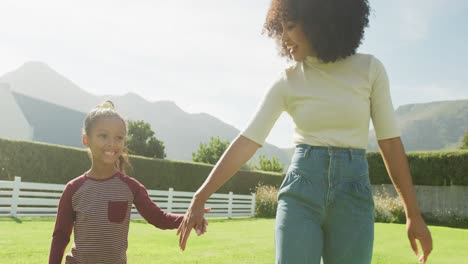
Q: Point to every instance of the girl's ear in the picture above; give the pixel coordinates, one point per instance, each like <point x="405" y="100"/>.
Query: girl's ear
<point x="84" y="140"/>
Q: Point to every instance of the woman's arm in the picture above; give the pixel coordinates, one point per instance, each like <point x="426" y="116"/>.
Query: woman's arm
<point x="236" y="155"/>
<point x="397" y="167"/>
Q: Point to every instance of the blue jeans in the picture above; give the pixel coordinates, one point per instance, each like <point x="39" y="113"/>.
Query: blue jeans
<point x="325" y="208"/>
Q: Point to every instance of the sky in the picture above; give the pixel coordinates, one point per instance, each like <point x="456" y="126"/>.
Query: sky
<point x="210" y="56"/>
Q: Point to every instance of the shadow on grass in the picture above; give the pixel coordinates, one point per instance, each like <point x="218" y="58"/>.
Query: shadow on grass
<point x="17" y="220"/>
<point x="11" y="219"/>
<point x="216" y="220"/>
<point x="27" y="219"/>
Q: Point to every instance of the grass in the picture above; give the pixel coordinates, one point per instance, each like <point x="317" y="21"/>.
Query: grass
<point x="227" y="241"/>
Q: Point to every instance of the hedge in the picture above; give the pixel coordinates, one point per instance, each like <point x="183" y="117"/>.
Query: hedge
<point x="427" y="168"/>
<point x="40" y="162"/>
<point x="47" y="163"/>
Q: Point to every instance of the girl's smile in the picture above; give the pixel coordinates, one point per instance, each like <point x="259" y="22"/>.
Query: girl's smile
<point x="106" y="140"/>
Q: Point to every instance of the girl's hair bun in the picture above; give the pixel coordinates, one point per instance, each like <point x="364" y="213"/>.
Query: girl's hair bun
<point x="107" y="104"/>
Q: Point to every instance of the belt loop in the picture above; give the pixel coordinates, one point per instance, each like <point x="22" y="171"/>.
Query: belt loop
<point x="351" y="154"/>
<point x="330" y="151"/>
<point x="309" y="148"/>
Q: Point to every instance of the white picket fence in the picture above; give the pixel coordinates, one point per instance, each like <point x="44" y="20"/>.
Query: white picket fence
<point x="20" y="199"/>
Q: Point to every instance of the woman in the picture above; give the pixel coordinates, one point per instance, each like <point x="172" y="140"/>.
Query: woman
<point x="325" y="207"/>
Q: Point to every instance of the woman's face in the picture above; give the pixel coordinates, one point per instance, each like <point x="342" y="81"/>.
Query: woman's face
<point x="295" y="40"/>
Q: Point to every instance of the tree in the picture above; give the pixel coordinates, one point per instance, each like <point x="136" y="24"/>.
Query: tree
<point x="465" y="141"/>
<point x="265" y="164"/>
<point x="211" y="152"/>
<point x="141" y="140"/>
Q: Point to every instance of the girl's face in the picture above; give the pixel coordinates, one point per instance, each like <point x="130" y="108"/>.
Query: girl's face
<point x="106" y="140"/>
<point x="296" y="41"/>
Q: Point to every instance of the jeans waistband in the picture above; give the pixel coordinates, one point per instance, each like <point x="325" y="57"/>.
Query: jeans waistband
<point x="329" y="150"/>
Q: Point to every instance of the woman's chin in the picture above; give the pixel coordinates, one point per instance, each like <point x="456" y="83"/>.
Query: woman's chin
<point x="297" y="57"/>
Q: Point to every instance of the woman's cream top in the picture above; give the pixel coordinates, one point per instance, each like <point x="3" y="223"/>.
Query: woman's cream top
<point x="331" y="104"/>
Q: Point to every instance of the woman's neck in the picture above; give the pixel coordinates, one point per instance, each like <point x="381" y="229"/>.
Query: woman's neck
<point x="102" y="171"/>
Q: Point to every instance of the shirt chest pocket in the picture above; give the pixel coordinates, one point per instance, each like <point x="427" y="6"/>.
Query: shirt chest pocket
<point x="117" y="211"/>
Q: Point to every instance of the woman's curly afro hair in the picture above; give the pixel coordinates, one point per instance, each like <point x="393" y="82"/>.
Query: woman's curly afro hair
<point x="335" y="28"/>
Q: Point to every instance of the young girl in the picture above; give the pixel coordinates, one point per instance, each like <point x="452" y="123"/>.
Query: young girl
<point x="325" y="204"/>
<point x="97" y="204"/>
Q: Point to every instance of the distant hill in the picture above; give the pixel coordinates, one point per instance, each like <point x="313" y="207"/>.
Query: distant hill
<point x="38" y="80"/>
<point x="430" y="126"/>
<point x="48" y="98"/>
<point x="180" y="131"/>
<point x="52" y="123"/>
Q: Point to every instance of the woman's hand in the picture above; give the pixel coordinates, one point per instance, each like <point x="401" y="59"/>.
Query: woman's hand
<point x="237" y="154"/>
<point x="194" y="218"/>
<point x="416" y="229"/>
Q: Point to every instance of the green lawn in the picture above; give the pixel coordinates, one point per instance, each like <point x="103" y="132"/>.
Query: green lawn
<point x="227" y="241"/>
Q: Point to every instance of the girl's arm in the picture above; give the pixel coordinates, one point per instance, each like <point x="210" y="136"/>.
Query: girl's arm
<point x="237" y="154"/>
<point x="63" y="226"/>
<point x="151" y="212"/>
<point x="397" y="167"/>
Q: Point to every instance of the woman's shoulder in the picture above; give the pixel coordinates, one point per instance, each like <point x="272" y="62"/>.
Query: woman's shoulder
<point x="374" y="65"/>
<point x="360" y="55"/>
<point x="361" y="59"/>
<point x="281" y="79"/>
<point x="368" y="59"/>
<point x="288" y="76"/>
<point x="365" y="63"/>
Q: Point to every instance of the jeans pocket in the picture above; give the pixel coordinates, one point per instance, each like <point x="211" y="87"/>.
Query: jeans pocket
<point x="359" y="190"/>
<point x="363" y="192"/>
<point x="291" y="178"/>
<point x="117" y="211"/>
<point x="366" y="189"/>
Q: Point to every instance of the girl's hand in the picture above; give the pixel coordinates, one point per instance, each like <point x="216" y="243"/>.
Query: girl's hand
<point x="205" y="225"/>
<point x="194" y="218"/>
<point x="416" y="229"/>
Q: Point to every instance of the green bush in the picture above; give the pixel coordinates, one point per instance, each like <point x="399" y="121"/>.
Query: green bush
<point x="47" y="163"/>
<point x="447" y="218"/>
<point x="457" y="167"/>
<point x="40" y="162"/>
<point x="210" y="152"/>
<point x="388" y="208"/>
<point x="273" y="164"/>
<point x="465" y="140"/>
<point x="435" y="168"/>
<point x="266" y="201"/>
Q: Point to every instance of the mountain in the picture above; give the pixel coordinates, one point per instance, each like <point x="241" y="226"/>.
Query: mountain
<point x="52" y="123"/>
<point x="38" y="80"/>
<point x="14" y="123"/>
<point x="430" y="126"/>
<point x="44" y="93"/>
<point x="180" y="131"/>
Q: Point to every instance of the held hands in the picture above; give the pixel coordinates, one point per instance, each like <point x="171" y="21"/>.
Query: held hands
<point x="416" y="229"/>
<point x="194" y="218"/>
<point x="205" y="224"/>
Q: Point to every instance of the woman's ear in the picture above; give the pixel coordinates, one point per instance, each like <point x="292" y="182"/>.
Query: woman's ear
<point x="84" y="140"/>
